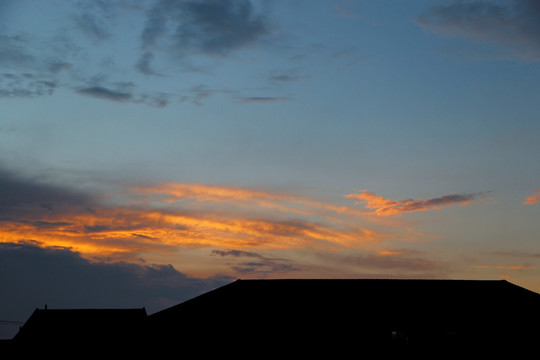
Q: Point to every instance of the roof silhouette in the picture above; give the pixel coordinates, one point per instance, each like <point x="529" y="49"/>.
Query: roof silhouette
<point x="270" y="318"/>
<point x="333" y="316"/>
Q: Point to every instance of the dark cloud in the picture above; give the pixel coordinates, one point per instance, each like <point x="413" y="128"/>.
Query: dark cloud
<point x="31" y="277"/>
<point x="93" y="26"/>
<point x="515" y="24"/>
<point x="34" y="65"/>
<point x="258" y="265"/>
<point x="196" y="94"/>
<point x="212" y="27"/>
<point x="25" y="85"/>
<point x="383" y="206"/>
<point x="283" y="77"/>
<point x="144" y="64"/>
<point x="25" y="74"/>
<point x="105" y="93"/>
<point x="13" y="51"/>
<point x="395" y="264"/>
<point x="444" y="200"/>
<point x="19" y="194"/>
<point x="261" y="99"/>
<point x="123" y="93"/>
<point x="236" y="253"/>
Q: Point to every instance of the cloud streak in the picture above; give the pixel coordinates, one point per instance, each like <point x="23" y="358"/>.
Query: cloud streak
<point x="124" y="94"/>
<point x="159" y="219"/>
<point x="247" y="231"/>
<point x="261" y="99"/>
<point x="514" y="24"/>
<point x="255" y="264"/>
<point x="383" y="207"/>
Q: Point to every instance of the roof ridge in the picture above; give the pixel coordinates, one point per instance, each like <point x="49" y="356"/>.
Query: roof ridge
<point x="380" y="279"/>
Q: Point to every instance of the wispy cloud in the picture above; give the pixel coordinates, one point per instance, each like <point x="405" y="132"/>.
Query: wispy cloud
<point x="25" y="85"/>
<point x="199" y="27"/>
<point x="124" y="93"/>
<point x="261" y="99"/>
<point x="249" y="231"/>
<point x="104" y="93"/>
<point x="514" y="24"/>
<point x="161" y="218"/>
<point x="533" y="199"/>
<point x="382" y="206"/>
<point x="207" y="26"/>
<point x="255" y="264"/>
<point x="505" y="267"/>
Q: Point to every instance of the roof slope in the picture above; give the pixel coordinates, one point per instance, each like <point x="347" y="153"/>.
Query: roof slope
<point x="72" y="326"/>
<point x="318" y="314"/>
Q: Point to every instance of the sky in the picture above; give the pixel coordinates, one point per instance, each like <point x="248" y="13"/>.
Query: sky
<point x="154" y="150"/>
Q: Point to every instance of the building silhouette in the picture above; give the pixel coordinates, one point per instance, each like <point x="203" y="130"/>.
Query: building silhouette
<point x="294" y="318"/>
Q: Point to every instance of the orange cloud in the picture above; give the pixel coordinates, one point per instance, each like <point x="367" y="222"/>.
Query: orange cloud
<point x="382" y="206"/>
<point x="169" y="216"/>
<point x="533" y="199"/>
<point x="504" y="267"/>
<point x="237" y="198"/>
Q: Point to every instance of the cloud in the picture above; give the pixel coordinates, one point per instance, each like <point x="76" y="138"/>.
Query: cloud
<point x="25" y="85"/>
<point x="514" y="24"/>
<point x="257" y="264"/>
<point x="261" y="99"/>
<point x="505" y="267"/>
<point x="25" y="74"/>
<point x="32" y="276"/>
<point x="124" y="93"/>
<point x="241" y="226"/>
<point x="196" y="94"/>
<point x="104" y="93"/>
<point x="211" y="27"/>
<point x="383" y="206"/>
<point x="20" y="195"/>
<point x="14" y="51"/>
<point x="144" y="64"/>
<point x="93" y="26"/>
<point x="533" y="199"/>
<point x="285" y="76"/>
<point x="160" y="219"/>
<point x="37" y="64"/>
<point x="397" y="261"/>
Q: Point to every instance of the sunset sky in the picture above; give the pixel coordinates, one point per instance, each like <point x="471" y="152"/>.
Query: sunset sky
<point x="153" y="150"/>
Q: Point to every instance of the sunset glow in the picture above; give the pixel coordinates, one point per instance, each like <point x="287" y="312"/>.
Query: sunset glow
<point x="178" y="145"/>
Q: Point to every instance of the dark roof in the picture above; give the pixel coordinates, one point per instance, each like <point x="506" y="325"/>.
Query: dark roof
<point x="46" y="325"/>
<point x="318" y="314"/>
<point x="304" y="318"/>
<point x="358" y="295"/>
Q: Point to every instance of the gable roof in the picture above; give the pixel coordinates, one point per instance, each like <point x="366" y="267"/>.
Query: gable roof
<point x="321" y="314"/>
<point x="305" y="318"/>
<point x="359" y="295"/>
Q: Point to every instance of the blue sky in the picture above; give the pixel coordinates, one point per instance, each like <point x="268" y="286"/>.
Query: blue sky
<point x="224" y="139"/>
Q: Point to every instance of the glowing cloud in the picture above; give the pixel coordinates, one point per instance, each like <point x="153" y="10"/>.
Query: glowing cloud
<point x="162" y="218"/>
<point x="382" y="206"/>
<point x="533" y="199"/>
